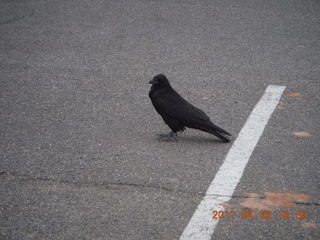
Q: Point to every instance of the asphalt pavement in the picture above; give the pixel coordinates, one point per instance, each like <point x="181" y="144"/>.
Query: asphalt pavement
<point x="81" y="156"/>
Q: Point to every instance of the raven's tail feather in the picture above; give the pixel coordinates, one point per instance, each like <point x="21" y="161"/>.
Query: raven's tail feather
<point x="209" y="127"/>
<point x="218" y="129"/>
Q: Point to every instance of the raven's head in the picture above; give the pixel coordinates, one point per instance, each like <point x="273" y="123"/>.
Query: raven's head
<point x="160" y="80"/>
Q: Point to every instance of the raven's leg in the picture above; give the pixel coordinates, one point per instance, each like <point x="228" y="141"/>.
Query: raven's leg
<point x="169" y="137"/>
<point x="172" y="134"/>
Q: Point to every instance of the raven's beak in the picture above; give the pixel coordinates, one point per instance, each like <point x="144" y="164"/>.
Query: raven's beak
<point x="151" y="81"/>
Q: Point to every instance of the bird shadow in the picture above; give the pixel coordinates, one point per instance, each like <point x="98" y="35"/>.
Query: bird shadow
<point x="188" y="138"/>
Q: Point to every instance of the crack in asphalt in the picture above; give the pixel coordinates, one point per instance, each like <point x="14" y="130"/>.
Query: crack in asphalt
<point x="261" y="197"/>
<point x="30" y="14"/>
<point x="107" y="184"/>
<point x="96" y="184"/>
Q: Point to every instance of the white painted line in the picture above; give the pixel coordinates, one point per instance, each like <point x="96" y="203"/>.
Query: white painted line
<point x="201" y="225"/>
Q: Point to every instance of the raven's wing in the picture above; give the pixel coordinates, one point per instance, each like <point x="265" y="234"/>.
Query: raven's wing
<point x="172" y="106"/>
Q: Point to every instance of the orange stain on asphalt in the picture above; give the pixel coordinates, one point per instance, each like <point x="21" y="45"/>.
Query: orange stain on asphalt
<point x="308" y="225"/>
<point x="253" y="201"/>
<point x="293" y="94"/>
<point x="280" y="105"/>
<point x="226" y="205"/>
<point x="284" y="200"/>
<point x="25" y="150"/>
<point x="273" y="199"/>
<point x="302" y="134"/>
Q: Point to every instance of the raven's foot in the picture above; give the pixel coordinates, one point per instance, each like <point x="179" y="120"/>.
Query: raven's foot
<point x="172" y="136"/>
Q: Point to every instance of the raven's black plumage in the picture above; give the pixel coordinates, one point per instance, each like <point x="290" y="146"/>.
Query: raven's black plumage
<point x="177" y="112"/>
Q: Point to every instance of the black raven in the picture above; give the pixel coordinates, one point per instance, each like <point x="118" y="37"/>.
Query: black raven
<point x="177" y="113"/>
